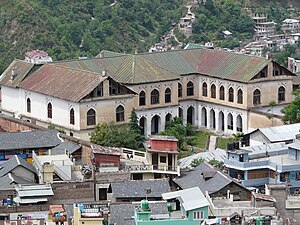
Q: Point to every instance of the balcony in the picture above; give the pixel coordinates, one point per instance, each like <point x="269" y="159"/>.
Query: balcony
<point x="153" y="169"/>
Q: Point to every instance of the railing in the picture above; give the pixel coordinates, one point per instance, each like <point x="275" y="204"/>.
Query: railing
<point x="153" y="168"/>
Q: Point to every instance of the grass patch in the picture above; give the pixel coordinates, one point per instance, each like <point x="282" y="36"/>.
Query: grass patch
<point x="222" y="142"/>
<point x="201" y="139"/>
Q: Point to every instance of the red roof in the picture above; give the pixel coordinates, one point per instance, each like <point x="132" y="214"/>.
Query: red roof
<point x="36" y="53"/>
<point x="62" y="82"/>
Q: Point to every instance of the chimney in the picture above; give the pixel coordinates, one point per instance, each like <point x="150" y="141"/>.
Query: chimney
<point x="104" y="72"/>
<point x="13" y="73"/>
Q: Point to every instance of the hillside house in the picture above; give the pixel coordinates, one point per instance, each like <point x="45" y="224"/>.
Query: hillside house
<point x="37" y="57"/>
<point x="291" y="26"/>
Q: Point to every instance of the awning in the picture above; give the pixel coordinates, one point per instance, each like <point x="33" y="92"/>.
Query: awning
<point x="29" y="200"/>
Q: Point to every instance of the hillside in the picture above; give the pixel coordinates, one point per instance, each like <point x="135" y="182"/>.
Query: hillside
<point x="68" y="28"/>
<point x="72" y="28"/>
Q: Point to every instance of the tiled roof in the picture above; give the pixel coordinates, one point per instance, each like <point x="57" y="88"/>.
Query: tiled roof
<point x="14" y="162"/>
<point x="98" y="149"/>
<point x="29" y="139"/>
<point x="62" y="82"/>
<point x="36" y="53"/>
<point x="21" y="69"/>
<point x="136" y="188"/>
<point x="195" y="178"/>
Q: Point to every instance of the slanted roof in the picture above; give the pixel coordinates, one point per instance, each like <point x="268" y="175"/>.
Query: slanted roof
<point x="34" y="190"/>
<point x="264" y="197"/>
<point x="191" y="198"/>
<point x="20" y="69"/>
<point x="279" y="133"/>
<point x="217" y="154"/>
<point x="206" y="177"/>
<point x="62" y="82"/>
<point x="8" y="181"/>
<point x="108" y="54"/>
<point x="136" y="188"/>
<point x="123" y="213"/>
<point x="98" y="149"/>
<point x="29" y="139"/>
<point x="65" y="146"/>
<point x="13" y="163"/>
<point x="215" y="63"/>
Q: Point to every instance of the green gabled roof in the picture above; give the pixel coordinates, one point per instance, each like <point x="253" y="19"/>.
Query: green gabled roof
<point x="215" y="63"/>
<point x="109" y="54"/>
<point x="192" y="46"/>
<point x="135" y="70"/>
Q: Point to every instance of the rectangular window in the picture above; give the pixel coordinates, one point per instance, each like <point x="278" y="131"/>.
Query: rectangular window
<point x="198" y="215"/>
<point x="163" y="159"/>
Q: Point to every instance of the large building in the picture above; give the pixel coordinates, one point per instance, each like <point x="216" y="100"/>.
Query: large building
<point x="211" y="89"/>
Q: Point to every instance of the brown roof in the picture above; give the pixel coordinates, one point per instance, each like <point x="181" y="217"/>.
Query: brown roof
<point x="264" y="197"/>
<point x="98" y="149"/>
<point x="21" y="69"/>
<point x="62" y="82"/>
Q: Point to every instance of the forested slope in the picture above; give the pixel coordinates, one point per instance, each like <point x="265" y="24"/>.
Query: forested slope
<point x="72" y="28"/>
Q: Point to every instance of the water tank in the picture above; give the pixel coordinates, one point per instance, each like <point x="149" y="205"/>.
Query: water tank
<point x="145" y="205"/>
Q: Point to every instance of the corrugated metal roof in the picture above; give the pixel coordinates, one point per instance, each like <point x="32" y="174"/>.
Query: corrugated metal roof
<point x="19" y="68"/>
<point x="34" y="190"/>
<point x="192" y="198"/>
<point x="62" y="82"/>
<point x="281" y="133"/>
<point x="159" y="66"/>
<point x="14" y="162"/>
<point x="217" y="154"/>
<point x="29" y="200"/>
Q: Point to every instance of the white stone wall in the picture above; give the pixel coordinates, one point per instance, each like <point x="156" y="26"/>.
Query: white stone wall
<point x="11" y="100"/>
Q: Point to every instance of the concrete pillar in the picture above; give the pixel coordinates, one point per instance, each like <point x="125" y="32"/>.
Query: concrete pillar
<point x="217" y="120"/>
<point x="162" y="123"/>
<point x="208" y="118"/>
<point x="148" y="125"/>
<point x="246" y="175"/>
<point x="184" y="109"/>
<point x="226" y="123"/>
<point x="234" y="123"/>
<point x="199" y="116"/>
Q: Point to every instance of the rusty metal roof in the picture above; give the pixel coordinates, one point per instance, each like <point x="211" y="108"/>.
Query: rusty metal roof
<point x="19" y="69"/>
<point x="62" y="82"/>
<point x="126" y="69"/>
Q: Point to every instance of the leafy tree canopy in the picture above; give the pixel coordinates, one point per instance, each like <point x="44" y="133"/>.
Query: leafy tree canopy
<point x="292" y="111"/>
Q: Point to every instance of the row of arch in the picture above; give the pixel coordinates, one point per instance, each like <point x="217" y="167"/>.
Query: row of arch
<point x="155" y="96"/>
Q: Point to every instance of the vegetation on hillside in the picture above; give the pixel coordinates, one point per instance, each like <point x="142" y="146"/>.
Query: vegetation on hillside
<point x="69" y="29"/>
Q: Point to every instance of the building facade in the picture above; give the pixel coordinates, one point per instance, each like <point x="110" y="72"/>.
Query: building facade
<point x="207" y="88"/>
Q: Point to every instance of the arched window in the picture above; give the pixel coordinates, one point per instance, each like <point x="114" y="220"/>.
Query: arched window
<point x="190" y="88"/>
<point x="28" y="104"/>
<point x="120" y="114"/>
<point x="213" y="91"/>
<point x="240" y="97"/>
<point x="230" y="121"/>
<point x="231" y="94"/>
<point x="204" y="89"/>
<point x="142" y="98"/>
<point x="256" y="97"/>
<point x="281" y="94"/>
<point x="222" y="93"/>
<point x="179" y="90"/>
<point x="49" y="110"/>
<point x="91" y="117"/>
<point x="168" y="95"/>
<point x="154" y="97"/>
<point x="72" y="117"/>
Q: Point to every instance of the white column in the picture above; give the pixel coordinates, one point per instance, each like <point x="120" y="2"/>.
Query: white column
<point x="148" y="132"/>
<point x="234" y="115"/>
<point x="225" y="123"/>
<point x="208" y="118"/>
<point x="184" y="119"/>
<point x="217" y="120"/>
<point x="162" y="122"/>
<point x="199" y="116"/>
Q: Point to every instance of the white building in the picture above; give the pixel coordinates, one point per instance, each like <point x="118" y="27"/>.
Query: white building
<point x="38" y="57"/>
<point x="291" y="25"/>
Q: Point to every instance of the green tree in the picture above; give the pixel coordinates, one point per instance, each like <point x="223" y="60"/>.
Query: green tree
<point x="113" y="135"/>
<point x="176" y="128"/>
<point x="292" y="111"/>
<point x="196" y="162"/>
